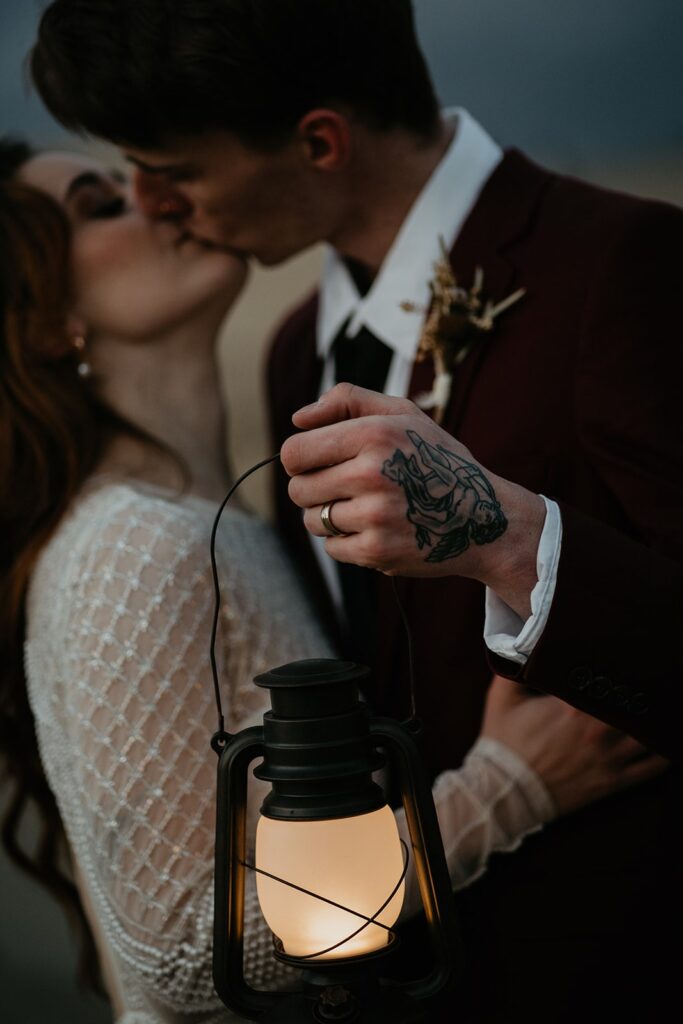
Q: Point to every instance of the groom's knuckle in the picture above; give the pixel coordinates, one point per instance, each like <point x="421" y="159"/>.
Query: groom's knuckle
<point x="376" y="512"/>
<point x="309" y="520"/>
<point x="372" y="547"/>
<point x="288" y="454"/>
<point x="366" y="471"/>
<point x="294" y="489"/>
<point x="344" y="390"/>
<point x="385" y="431"/>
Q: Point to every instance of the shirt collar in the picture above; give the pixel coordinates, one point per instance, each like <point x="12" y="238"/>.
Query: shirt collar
<point x="439" y="211"/>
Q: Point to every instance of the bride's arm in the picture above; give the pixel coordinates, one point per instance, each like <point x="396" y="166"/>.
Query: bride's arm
<point x="138" y="712"/>
<point x="536" y="758"/>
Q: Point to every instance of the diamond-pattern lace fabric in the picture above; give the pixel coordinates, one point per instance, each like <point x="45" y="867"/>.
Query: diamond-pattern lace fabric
<point x="118" y="626"/>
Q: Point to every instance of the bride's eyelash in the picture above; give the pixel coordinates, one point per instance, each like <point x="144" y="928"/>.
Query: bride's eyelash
<point x="112" y="208"/>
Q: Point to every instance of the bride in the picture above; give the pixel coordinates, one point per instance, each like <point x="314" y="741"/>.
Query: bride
<point x="113" y="463"/>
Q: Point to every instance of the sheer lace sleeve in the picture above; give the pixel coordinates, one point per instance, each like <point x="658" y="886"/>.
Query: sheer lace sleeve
<point x="136" y="707"/>
<point x="487" y="806"/>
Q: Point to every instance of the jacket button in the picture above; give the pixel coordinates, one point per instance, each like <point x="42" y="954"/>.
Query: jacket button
<point x="599" y="688"/>
<point x="580" y="679"/>
<point x="620" y="696"/>
<point x="638" y="704"/>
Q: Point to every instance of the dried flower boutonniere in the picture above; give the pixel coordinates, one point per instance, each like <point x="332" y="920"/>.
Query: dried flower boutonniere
<point x="456" y="320"/>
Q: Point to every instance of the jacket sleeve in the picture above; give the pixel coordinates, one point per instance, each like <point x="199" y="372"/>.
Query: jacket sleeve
<point x="612" y="645"/>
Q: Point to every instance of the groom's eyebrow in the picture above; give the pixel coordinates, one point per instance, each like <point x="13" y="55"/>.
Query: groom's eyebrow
<point x="154" y="168"/>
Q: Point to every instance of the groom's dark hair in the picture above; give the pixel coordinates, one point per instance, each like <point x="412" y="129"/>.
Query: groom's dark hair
<point x="142" y="72"/>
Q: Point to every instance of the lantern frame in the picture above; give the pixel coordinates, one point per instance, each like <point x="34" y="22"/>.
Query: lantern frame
<point x="325" y="688"/>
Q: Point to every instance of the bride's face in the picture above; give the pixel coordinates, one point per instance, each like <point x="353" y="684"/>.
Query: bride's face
<point x="133" y="278"/>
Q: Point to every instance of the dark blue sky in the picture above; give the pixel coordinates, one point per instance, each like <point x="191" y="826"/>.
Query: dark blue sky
<point x="572" y="78"/>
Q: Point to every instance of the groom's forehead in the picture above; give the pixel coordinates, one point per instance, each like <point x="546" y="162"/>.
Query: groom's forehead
<point x="219" y="149"/>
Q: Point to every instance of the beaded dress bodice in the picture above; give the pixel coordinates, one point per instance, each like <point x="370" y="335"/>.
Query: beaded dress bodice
<point x="117" y="654"/>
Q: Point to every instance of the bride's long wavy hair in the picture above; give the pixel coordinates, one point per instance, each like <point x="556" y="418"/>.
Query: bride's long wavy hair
<point x="53" y="432"/>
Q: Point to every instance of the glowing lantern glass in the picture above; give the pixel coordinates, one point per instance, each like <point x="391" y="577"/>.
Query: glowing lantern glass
<point x="351" y="861"/>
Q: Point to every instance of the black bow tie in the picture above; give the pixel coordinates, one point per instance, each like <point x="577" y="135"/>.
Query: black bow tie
<point x="362" y="360"/>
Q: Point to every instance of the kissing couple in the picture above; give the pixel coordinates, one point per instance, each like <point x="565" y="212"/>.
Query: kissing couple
<point x="531" y="510"/>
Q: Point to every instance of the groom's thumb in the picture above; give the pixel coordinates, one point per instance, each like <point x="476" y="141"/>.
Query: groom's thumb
<point x="348" y="402"/>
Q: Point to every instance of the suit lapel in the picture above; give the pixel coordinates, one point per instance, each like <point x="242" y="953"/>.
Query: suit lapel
<point x="501" y="215"/>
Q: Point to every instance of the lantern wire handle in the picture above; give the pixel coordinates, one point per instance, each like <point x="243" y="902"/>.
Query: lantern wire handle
<point x="221" y="737"/>
<point x="411" y="659"/>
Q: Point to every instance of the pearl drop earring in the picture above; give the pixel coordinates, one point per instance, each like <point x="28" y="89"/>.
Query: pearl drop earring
<point x="83" y="368"/>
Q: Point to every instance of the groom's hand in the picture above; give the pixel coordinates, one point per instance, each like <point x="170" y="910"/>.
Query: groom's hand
<point x="410" y="499"/>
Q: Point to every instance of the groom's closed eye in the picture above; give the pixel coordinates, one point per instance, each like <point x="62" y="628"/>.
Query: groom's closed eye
<point x="158" y="198"/>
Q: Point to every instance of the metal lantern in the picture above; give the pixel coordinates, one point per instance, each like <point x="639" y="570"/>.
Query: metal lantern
<point x="329" y="860"/>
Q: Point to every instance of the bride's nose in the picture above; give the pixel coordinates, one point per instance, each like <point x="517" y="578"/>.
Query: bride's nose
<point x="158" y="199"/>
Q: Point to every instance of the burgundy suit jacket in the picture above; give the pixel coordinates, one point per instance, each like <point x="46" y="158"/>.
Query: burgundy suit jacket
<point x="575" y="395"/>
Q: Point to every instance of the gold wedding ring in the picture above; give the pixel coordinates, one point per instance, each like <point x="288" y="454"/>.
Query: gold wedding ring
<point x="326" y="520"/>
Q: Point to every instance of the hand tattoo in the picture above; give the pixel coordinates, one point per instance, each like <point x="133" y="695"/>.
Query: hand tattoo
<point x="450" y="498"/>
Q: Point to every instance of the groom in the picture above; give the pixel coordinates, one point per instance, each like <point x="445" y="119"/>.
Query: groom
<point x="268" y="126"/>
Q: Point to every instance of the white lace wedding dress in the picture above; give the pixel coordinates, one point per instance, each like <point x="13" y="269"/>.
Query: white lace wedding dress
<point x="118" y="623"/>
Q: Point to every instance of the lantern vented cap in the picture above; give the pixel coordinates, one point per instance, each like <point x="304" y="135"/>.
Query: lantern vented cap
<point x="318" y="754"/>
<point x="314" y="687"/>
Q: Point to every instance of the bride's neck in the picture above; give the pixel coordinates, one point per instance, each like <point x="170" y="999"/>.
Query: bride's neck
<point x="169" y="389"/>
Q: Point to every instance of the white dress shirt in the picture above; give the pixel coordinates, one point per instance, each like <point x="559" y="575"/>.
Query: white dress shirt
<point x="439" y="211"/>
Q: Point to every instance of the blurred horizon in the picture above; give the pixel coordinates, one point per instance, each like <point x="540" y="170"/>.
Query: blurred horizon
<point x="571" y="81"/>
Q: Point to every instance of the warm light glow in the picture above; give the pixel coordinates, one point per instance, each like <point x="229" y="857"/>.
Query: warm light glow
<point x="353" y="861"/>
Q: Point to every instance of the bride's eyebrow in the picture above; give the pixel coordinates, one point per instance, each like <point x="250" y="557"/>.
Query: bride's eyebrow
<point x="89" y="178"/>
<point x="83" y="180"/>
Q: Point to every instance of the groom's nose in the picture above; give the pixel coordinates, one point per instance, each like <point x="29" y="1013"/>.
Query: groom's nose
<point x="158" y="199"/>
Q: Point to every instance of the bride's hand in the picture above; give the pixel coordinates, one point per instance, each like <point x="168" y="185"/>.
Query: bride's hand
<point x="579" y="758"/>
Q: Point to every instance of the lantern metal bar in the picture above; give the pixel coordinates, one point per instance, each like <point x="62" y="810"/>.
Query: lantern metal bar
<point x="230" y="872"/>
<point x="431" y="870"/>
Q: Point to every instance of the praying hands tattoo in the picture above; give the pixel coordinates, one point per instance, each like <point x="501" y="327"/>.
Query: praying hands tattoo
<point x="450" y="501"/>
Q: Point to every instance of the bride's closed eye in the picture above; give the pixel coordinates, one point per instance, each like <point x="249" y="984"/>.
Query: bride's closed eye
<point x="113" y="208"/>
<point x="92" y="196"/>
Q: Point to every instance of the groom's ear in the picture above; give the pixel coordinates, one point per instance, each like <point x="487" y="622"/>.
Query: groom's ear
<point x="325" y="139"/>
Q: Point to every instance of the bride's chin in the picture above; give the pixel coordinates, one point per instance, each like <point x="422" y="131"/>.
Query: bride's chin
<point x="237" y="276"/>
<point x="224" y="277"/>
<point x="226" y="297"/>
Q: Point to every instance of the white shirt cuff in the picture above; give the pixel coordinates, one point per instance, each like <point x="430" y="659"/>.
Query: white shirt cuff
<point x="505" y="633"/>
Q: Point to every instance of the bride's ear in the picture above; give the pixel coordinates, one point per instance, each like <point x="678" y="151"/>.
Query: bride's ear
<point x="73" y="337"/>
<point x="325" y="139"/>
<point x="75" y="325"/>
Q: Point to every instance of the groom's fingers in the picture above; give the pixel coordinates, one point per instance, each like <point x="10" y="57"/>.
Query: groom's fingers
<point x="318" y="449"/>
<point x="339" y="442"/>
<point x="348" y="402"/>
<point x="340" y="514"/>
<point x="358" y="544"/>
<point x="332" y="484"/>
<point x="367" y="514"/>
<point x="358" y="476"/>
